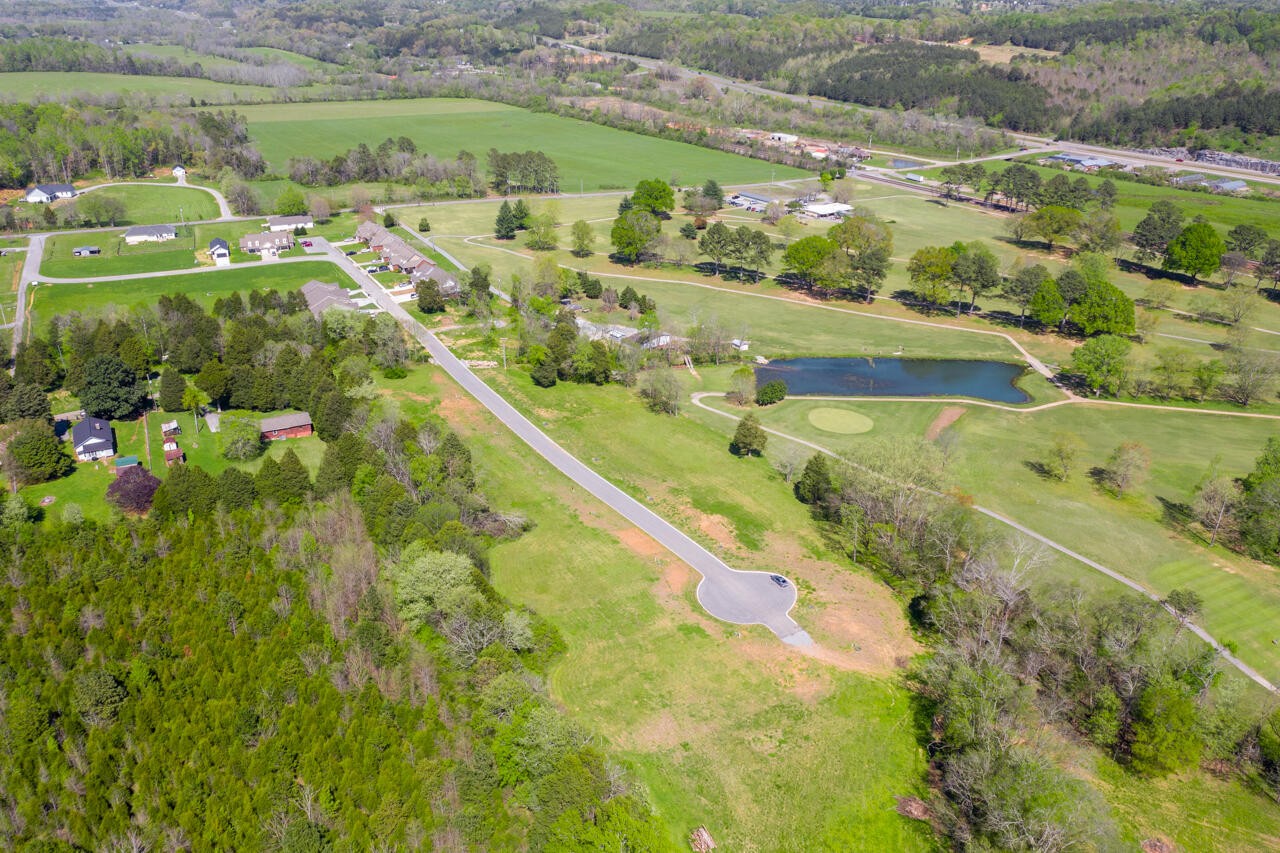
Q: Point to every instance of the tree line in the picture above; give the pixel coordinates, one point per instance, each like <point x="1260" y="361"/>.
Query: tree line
<point x="397" y="161"/>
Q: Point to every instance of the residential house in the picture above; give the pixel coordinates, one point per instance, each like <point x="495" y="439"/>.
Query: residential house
<point x="219" y="251"/>
<point x="398" y="254"/>
<point x="294" y="425"/>
<point x="179" y="171"/>
<point x="93" y="438"/>
<point x="289" y="223"/>
<point x="150" y="234"/>
<point x="373" y="234"/>
<point x="269" y="243"/>
<point x="321" y="297"/>
<point x="85" y="251"/>
<point x="45" y="193"/>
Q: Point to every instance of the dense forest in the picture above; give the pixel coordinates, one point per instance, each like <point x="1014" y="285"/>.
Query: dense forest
<point x="276" y="659"/>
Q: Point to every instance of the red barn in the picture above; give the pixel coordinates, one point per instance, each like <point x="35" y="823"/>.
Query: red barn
<point x="296" y="425"/>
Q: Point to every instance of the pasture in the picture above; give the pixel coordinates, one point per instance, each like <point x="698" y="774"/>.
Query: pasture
<point x="18" y="86"/>
<point x="590" y="157"/>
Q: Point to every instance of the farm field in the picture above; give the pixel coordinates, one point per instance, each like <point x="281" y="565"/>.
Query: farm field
<point x="33" y="85"/>
<point x="161" y="204"/>
<point x="182" y="54"/>
<point x="87" y="485"/>
<point x="273" y="54"/>
<point x="994" y="456"/>
<point x="49" y="300"/>
<point x="589" y="155"/>
<point x="726" y="727"/>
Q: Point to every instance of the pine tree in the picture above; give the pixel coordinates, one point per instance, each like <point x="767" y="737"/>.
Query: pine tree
<point x="815" y="483"/>
<point x="520" y="211"/>
<point x="504" y="228"/>
<point x="750" y="438"/>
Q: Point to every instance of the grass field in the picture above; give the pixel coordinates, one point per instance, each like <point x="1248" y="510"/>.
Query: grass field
<point x="119" y="258"/>
<point x="769" y="748"/>
<point x="33" y="85"/>
<point x="162" y="204"/>
<point x="10" y="268"/>
<point x="276" y="55"/>
<point x="183" y="54"/>
<point x="51" y="299"/>
<point x="589" y="155"/>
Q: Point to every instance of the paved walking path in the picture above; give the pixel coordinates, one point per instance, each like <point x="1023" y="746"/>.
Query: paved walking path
<point x="1243" y="667"/>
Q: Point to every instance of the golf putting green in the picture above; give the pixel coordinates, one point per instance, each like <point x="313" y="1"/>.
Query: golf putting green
<point x="840" y="421"/>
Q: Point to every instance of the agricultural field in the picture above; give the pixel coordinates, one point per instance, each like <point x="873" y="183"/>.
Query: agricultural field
<point x="49" y="300"/>
<point x="276" y="55"/>
<point x="87" y="485"/>
<point x="182" y="54"/>
<point x="590" y="157"/>
<point x="63" y="85"/>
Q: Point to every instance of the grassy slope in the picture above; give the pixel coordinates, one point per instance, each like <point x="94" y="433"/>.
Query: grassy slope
<point x="277" y="55"/>
<point x="30" y="85"/>
<point x="10" y="268"/>
<point x="768" y="748"/>
<point x="597" y="156"/>
<point x="162" y="204"/>
<point x="53" y="299"/>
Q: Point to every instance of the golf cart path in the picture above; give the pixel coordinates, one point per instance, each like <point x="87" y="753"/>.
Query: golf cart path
<point x="1226" y="654"/>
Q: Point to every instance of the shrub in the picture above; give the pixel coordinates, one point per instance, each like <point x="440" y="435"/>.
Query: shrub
<point x="771" y="392"/>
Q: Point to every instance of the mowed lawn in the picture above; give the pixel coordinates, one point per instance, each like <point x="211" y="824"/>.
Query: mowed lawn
<point x="588" y="155"/>
<point x="994" y="457"/>
<point x="162" y="204"/>
<point x="203" y="287"/>
<point x="86" y="486"/>
<point x="725" y="727"/>
<point x="119" y="258"/>
<point x="63" y="85"/>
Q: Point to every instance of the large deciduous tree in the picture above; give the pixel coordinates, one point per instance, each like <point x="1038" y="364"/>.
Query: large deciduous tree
<point x="133" y="489"/>
<point x="632" y="234"/>
<point x="1103" y="362"/>
<point x="1197" y="251"/>
<point x="655" y="196"/>
<point x="867" y="243"/>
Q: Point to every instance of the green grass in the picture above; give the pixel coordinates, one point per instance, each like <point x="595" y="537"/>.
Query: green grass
<point x="276" y="55"/>
<point x="22" y="86"/>
<point x="10" y="270"/>
<point x="86" y="486"/>
<point x="591" y="154"/>
<point x="183" y="54"/>
<point x="724" y="727"/>
<point x="994" y="455"/>
<point x="119" y="258"/>
<point x="162" y="204"/>
<point x="53" y="299"/>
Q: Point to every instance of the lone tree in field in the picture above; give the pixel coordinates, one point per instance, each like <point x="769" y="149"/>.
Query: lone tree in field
<point x="583" y="238"/>
<point x="749" y="438"/>
<point x="424" y="224"/>
<point x="1128" y="466"/>
<point x="743" y="389"/>
<point x="291" y="203"/>
<point x="654" y="196"/>
<point x="504" y="227"/>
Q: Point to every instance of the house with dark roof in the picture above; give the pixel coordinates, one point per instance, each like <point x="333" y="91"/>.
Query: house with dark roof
<point x="93" y="438"/>
<point x="268" y="243"/>
<point x="295" y="425"/>
<point x="150" y="234"/>
<point x="219" y="250"/>
<point x="288" y="223"/>
<point x="45" y="193"/>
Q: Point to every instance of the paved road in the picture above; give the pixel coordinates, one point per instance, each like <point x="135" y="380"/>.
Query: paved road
<point x="743" y="598"/>
<point x="1226" y="654"/>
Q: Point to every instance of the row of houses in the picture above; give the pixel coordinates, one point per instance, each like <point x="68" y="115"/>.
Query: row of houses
<point x="403" y="258"/>
<point x="93" y="438"/>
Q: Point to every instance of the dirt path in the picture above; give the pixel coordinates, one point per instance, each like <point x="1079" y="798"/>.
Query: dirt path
<point x="945" y="418"/>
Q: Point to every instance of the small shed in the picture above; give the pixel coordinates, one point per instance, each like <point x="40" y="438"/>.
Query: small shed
<point x="295" y="425"/>
<point x="169" y="428"/>
<point x="174" y="456"/>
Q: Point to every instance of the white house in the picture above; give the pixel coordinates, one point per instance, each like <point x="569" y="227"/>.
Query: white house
<point x="45" y="193"/>
<point x="219" y="252"/>
<point x="179" y="171"/>
<point x="269" y="245"/>
<point x="150" y="234"/>
<point x="92" y="439"/>
<point x="288" y="223"/>
<point x="784" y="138"/>
<point x="826" y="210"/>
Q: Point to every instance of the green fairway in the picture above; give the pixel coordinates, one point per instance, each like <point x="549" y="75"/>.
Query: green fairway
<point x="726" y="727"/>
<point x="204" y="287"/>
<point x="589" y="156"/>
<point x="161" y="204"/>
<point x="64" y="85"/>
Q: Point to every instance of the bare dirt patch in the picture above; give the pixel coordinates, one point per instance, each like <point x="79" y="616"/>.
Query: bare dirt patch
<point x="716" y="527"/>
<point x="945" y="418"/>
<point x="639" y="541"/>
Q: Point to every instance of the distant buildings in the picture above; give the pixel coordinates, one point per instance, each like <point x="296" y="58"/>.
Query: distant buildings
<point x="288" y="223"/>
<point x="400" y="256"/>
<point x="150" y="234"/>
<point x="269" y="243"/>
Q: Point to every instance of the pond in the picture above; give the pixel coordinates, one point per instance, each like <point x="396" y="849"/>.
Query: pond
<point x="897" y="377"/>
